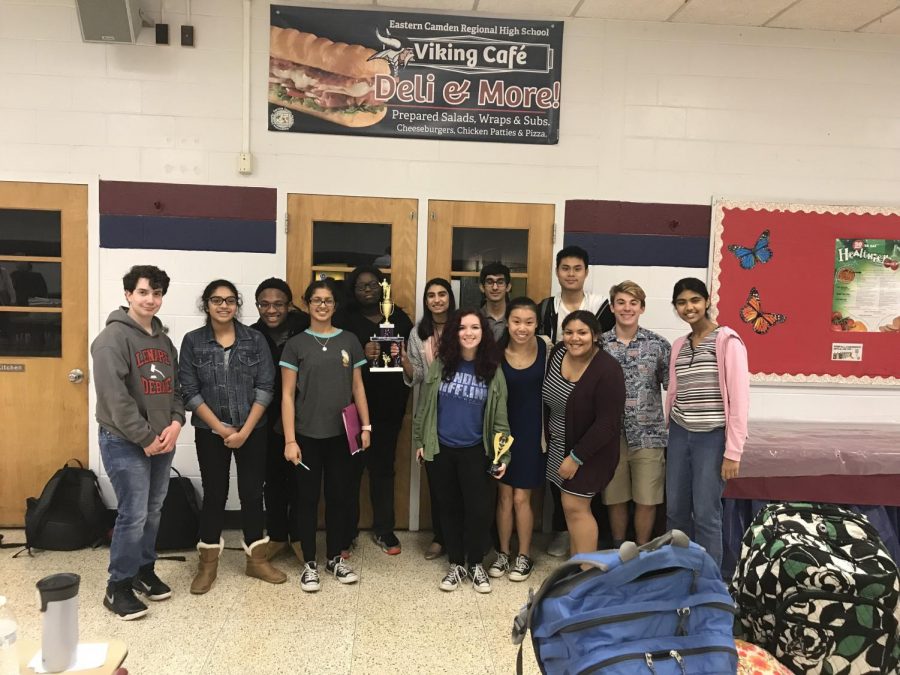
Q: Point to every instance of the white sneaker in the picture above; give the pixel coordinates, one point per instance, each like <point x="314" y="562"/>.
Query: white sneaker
<point x="454" y="577"/>
<point x="499" y="567"/>
<point x="480" y="579"/>
<point x="559" y="545"/>
<point x="309" y="578"/>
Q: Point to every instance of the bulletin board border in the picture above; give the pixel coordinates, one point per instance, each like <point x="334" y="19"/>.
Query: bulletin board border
<point x="715" y="244"/>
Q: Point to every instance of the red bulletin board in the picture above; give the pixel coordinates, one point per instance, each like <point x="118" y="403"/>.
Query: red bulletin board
<point x="797" y="282"/>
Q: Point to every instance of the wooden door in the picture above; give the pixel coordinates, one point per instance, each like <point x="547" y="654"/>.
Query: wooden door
<point x="329" y="236"/>
<point x="43" y="337"/>
<point x="464" y="236"/>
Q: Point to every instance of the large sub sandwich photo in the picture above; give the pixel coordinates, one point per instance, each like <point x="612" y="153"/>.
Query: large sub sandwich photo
<point x="330" y="80"/>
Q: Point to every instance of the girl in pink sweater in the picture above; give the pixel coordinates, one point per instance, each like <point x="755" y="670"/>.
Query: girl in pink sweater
<point x="707" y="404"/>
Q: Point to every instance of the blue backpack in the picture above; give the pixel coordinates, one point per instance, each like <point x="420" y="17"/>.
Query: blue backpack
<point x="658" y="609"/>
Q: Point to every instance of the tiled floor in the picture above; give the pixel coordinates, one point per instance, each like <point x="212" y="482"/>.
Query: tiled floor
<point x="395" y="620"/>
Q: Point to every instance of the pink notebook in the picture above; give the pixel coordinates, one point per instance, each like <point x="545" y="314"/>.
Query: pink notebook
<point x="352" y="427"/>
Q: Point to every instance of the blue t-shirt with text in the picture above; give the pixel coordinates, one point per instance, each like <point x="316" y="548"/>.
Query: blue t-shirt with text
<point x="460" y="411"/>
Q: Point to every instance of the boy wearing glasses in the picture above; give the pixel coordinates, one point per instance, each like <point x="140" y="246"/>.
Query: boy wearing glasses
<point x="140" y="413"/>
<point x="495" y="282"/>
<point x="279" y="320"/>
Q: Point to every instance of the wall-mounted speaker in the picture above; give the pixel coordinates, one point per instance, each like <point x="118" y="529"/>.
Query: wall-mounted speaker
<point x="109" y="20"/>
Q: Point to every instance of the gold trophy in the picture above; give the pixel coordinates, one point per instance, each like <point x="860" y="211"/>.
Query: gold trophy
<point x="384" y="361"/>
<point x="501" y="445"/>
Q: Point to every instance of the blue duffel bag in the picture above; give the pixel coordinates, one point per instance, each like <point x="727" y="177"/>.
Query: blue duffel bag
<point x="659" y="609"/>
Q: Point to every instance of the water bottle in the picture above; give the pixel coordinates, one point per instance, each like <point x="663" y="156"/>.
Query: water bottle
<point x="58" y="597"/>
<point x="9" y="658"/>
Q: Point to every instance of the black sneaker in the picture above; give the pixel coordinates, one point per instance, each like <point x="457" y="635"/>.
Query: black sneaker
<point x="522" y="569"/>
<point x="480" y="579"/>
<point x="500" y="566"/>
<point x="388" y="543"/>
<point x="120" y="600"/>
<point x="149" y="585"/>
<point x="454" y="577"/>
<point x="309" y="578"/>
<point x="341" y="570"/>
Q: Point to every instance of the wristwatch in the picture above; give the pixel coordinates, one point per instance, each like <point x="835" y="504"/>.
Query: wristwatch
<point x="366" y="427"/>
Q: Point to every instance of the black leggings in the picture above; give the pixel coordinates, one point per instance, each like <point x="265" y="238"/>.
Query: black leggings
<point x="460" y="479"/>
<point x="215" y="468"/>
<point x="379" y="460"/>
<point x="331" y="457"/>
<point x="280" y="486"/>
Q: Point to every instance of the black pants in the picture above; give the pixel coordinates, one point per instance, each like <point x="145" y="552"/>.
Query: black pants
<point x="436" y="527"/>
<point x="331" y="457"/>
<point x="280" y="486"/>
<point x="215" y="469"/>
<point x="379" y="460"/>
<point x="460" y="479"/>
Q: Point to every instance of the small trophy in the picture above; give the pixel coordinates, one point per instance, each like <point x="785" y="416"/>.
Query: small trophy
<point x="501" y="445"/>
<point x="384" y="361"/>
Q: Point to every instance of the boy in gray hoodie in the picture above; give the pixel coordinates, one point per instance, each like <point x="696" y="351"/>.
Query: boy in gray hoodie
<point x="140" y="413"/>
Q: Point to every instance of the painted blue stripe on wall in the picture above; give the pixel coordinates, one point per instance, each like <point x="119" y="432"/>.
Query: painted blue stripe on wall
<point x="641" y="249"/>
<point x="188" y="234"/>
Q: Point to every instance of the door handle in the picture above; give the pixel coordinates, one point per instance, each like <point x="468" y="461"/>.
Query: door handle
<point x="76" y="375"/>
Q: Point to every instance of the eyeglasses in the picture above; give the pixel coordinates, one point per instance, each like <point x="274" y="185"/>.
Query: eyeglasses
<point x="495" y="283"/>
<point x="217" y="300"/>
<point x="371" y="286"/>
<point x="265" y="306"/>
<point x="317" y="302"/>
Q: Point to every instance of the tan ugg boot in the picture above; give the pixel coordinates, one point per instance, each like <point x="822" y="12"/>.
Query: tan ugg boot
<point x="298" y="551"/>
<point x="260" y="568"/>
<point x="275" y="549"/>
<point x="208" y="567"/>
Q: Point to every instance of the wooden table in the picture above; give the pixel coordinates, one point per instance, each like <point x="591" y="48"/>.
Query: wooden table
<point x="115" y="655"/>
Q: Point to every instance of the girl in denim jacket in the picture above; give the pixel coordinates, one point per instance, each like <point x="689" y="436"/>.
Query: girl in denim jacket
<point x="229" y="378"/>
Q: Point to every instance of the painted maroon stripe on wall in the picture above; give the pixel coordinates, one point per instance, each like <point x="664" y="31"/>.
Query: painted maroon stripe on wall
<point x="608" y="217"/>
<point x="123" y="198"/>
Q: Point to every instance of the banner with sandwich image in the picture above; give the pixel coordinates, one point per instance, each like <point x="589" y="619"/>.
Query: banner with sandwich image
<point x="406" y="75"/>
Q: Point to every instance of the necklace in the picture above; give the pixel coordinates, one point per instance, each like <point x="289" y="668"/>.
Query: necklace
<point x="323" y="345"/>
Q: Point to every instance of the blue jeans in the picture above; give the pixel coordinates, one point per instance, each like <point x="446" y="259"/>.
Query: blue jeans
<point x="140" y="484"/>
<point x="694" y="486"/>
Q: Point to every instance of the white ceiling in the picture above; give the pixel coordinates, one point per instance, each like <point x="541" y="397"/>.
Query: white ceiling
<point x="866" y="16"/>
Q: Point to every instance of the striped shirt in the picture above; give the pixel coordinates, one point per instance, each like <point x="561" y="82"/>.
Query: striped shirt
<point x="698" y="400"/>
<point x="556" y="392"/>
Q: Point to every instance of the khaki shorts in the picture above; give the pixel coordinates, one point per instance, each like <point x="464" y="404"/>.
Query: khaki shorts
<point x="640" y="476"/>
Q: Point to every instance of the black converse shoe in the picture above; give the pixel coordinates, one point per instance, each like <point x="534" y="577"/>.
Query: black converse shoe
<point x="309" y="578"/>
<point x="341" y="570"/>
<point x="499" y="567"/>
<point x="149" y="585"/>
<point x="120" y="600"/>
<point x="479" y="579"/>
<point x="454" y="577"/>
<point x="522" y="569"/>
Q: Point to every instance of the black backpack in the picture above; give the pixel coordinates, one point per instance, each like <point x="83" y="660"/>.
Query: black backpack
<point x="69" y="514"/>
<point x="817" y="588"/>
<point x="179" y="523"/>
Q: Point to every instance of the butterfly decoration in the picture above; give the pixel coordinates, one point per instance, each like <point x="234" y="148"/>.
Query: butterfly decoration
<point x="760" y="321"/>
<point x="748" y="257"/>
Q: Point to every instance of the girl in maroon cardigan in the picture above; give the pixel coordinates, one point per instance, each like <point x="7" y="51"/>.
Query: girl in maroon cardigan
<point x="584" y="398"/>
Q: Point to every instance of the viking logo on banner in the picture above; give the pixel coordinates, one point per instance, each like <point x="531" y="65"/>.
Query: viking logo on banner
<point x="405" y="75"/>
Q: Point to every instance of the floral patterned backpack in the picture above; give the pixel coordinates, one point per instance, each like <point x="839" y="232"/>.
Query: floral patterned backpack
<point x="817" y="588"/>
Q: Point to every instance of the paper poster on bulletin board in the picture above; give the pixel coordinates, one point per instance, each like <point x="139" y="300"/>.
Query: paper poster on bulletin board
<point x="814" y="291"/>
